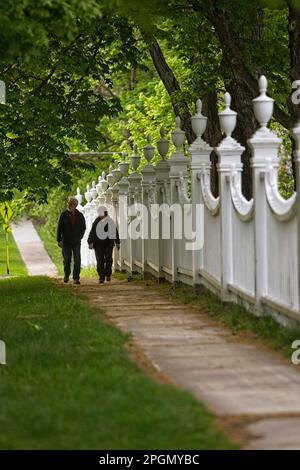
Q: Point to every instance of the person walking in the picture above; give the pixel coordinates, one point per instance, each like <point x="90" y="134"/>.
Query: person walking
<point x="102" y="238"/>
<point x="70" y="230"/>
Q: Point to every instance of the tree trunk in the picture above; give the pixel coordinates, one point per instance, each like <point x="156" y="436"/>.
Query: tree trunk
<point x="171" y="84"/>
<point x="232" y="55"/>
<point x="132" y="79"/>
<point x="213" y="134"/>
<point x="294" y="47"/>
<point x="246" y="125"/>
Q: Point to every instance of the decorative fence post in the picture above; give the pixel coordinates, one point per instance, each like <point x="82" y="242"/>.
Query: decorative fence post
<point x="229" y="152"/>
<point x="88" y="213"/>
<point x="122" y="215"/>
<point x="178" y="169"/>
<point x="84" y="246"/>
<point x="114" y="200"/>
<point x="79" y="199"/>
<point x="94" y="203"/>
<point x="111" y="180"/>
<point x="134" y="180"/>
<point x="101" y="187"/>
<point x="296" y="156"/>
<point x="264" y="145"/>
<point x="148" y="188"/>
<point x="162" y="171"/>
<point x="200" y="152"/>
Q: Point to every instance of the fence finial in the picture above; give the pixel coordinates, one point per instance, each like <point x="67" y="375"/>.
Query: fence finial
<point x="178" y="136"/>
<point x="199" y="106"/>
<point x="135" y="158"/>
<point x="94" y="190"/>
<point x="199" y="122"/>
<point x="263" y="105"/>
<point x="263" y="84"/>
<point x="87" y="194"/>
<point x="102" y="184"/>
<point x="78" y="196"/>
<point x="116" y="171"/>
<point x="124" y="166"/>
<point x="162" y="144"/>
<point x="227" y="117"/>
<point x="148" y="150"/>
<point x="110" y="176"/>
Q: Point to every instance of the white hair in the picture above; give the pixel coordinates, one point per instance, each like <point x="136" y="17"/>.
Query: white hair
<point x="101" y="211"/>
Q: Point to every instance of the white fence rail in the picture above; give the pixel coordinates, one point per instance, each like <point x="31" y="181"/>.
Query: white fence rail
<point x="251" y="248"/>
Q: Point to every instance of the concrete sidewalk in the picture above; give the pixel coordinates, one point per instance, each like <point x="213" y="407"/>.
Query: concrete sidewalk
<point x="238" y="380"/>
<point x="32" y="249"/>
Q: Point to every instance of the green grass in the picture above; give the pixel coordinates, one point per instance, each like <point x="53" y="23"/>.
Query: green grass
<point x="17" y="267"/>
<point x="51" y="246"/>
<point x="68" y="382"/>
<point x="235" y="317"/>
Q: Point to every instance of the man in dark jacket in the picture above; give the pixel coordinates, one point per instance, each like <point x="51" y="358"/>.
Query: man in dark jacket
<point x="70" y="230"/>
<point x="103" y="237"/>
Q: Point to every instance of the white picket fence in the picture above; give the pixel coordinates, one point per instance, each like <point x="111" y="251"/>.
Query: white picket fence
<point x="251" y="251"/>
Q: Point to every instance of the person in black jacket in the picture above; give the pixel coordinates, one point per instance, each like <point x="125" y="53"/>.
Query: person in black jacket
<point x="70" y="230"/>
<point x="102" y="238"/>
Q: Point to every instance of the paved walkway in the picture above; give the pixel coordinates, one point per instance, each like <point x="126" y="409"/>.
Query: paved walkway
<point x="32" y="249"/>
<point x="244" y="384"/>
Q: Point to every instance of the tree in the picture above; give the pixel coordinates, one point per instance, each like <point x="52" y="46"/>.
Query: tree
<point x="52" y="84"/>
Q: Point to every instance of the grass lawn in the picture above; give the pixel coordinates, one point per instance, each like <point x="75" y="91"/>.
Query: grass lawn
<point x="68" y="382"/>
<point x="17" y="267"/>
<point x="52" y="248"/>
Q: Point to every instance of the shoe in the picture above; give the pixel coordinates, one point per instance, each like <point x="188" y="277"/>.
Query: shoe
<point x="66" y="279"/>
<point x="107" y="278"/>
<point x="101" y="281"/>
<point x="76" y="281"/>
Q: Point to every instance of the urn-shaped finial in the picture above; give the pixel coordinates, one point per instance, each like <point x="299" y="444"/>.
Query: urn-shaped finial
<point x="110" y="176"/>
<point x="94" y="190"/>
<point x="135" y="158"/>
<point x="102" y="184"/>
<point x="148" y="150"/>
<point x="199" y="121"/>
<point x="178" y="136"/>
<point x="227" y="117"/>
<point x="116" y="171"/>
<point x="78" y="196"/>
<point x="263" y="104"/>
<point x="87" y="194"/>
<point x="124" y="166"/>
<point x="98" y="186"/>
<point x="162" y="144"/>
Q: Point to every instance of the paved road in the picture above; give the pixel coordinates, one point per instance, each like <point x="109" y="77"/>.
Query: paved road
<point x="239" y="381"/>
<point x="32" y="250"/>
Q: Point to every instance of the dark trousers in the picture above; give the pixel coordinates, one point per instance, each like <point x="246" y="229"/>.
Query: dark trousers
<point x="104" y="260"/>
<point x="67" y="251"/>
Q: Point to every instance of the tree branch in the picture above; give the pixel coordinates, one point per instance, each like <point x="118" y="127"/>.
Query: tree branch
<point x="232" y="53"/>
<point x="53" y="69"/>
